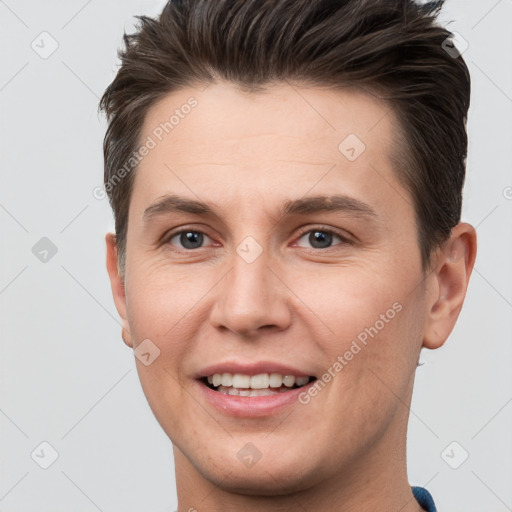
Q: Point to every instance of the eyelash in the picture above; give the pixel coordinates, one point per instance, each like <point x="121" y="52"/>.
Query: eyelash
<point x="322" y="229"/>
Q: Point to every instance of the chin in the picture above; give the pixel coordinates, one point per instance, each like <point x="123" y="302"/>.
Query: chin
<point x="283" y="471"/>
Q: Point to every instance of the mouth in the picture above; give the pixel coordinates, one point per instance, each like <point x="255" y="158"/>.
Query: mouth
<point x="263" y="384"/>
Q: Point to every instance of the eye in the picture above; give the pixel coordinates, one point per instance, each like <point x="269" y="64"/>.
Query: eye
<point x="189" y="239"/>
<point x="321" y="238"/>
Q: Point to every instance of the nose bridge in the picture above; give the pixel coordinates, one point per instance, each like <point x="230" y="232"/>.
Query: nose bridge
<point x="251" y="297"/>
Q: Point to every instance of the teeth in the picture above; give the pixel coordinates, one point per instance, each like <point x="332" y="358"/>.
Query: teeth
<point x="275" y="380"/>
<point x="241" y="381"/>
<point x="227" y="380"/>
<point x="300" y="381"/>
<point x="262" y="381"/>
<point x="259" y="381"/>
<point x="248" y="392"/>
<point x="289" y="381"/>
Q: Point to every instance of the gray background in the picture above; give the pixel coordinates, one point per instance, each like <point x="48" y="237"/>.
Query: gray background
<point x="67" y="379"/>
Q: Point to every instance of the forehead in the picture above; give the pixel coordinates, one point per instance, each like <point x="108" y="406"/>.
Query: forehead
<point x="280" y="142"/>
<point x="222" y="112"/>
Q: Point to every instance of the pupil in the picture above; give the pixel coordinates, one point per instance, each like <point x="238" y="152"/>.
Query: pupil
<point x="191" y="239"/>
<point x="320" y="239"/>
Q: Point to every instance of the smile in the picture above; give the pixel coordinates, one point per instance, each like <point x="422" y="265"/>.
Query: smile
<point x="263" y="384"/>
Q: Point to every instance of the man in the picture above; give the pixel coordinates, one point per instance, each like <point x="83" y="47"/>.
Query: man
<point x="286" y="178"/>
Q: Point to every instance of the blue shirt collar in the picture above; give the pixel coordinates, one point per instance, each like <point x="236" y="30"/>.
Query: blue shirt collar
<point x="424" y="498"/>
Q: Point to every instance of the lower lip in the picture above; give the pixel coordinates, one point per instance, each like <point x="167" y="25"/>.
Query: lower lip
<point x="251" y="406"/>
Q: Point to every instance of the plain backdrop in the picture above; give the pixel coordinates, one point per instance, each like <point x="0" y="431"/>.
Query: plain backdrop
<point x="67" y="379"/>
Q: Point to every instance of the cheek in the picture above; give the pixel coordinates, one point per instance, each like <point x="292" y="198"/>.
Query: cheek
<point x="375" y="330"/>
<point x="161" y="300"/>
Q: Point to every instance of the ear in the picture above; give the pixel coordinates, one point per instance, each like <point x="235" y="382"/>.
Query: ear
<point x="449" y="283"/>
<point x="117" y="284"/>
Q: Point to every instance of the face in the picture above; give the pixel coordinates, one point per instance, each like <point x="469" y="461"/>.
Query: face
<point x="269" y="237"/>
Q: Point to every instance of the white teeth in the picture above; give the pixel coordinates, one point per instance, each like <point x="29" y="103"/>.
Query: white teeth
<point x="289" y="381"/>
<point x="248" y="392"/>
<point x="262" y="381"/>
<point x="227" y="379"/>
<point x="300" y="381"/>
<point x="241" y="381"/>
<point x="275" y="380"/>
<point x="259" y="381"/>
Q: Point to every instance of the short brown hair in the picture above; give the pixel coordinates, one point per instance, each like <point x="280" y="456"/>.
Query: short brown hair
<point x="393" y="48"/>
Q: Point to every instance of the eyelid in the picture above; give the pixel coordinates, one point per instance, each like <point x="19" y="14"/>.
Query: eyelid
<point x="325" y="229"/>
<point x="307" y="229"/>
<point x="166" y="238"/>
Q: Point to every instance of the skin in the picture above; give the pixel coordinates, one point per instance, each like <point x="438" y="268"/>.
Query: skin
<point x="247" y="153"/>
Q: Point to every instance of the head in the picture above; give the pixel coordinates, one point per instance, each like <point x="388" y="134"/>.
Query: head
<point x="313" y="156"/>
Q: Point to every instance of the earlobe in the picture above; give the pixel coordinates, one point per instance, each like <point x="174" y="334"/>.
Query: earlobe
<point x="450" y="281"/>
<point x="117" y="285"/>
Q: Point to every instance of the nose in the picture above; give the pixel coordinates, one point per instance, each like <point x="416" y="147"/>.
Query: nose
<point x="251" y="299"/>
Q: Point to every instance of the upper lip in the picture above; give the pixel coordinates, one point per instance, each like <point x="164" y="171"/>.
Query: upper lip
<point x="251" y="368"/>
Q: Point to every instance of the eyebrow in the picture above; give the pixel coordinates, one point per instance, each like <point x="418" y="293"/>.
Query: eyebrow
<point x="303" y="206"/>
